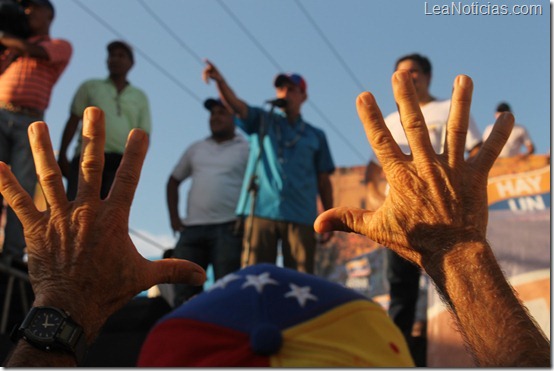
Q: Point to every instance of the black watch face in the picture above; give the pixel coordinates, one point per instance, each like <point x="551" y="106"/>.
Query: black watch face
<point x="45" y="324"/>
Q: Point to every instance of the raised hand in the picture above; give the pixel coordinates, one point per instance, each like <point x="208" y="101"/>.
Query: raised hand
<point x="435" y="215"/>
<point x="435" y="200"/>
<point x="81" y="258"/>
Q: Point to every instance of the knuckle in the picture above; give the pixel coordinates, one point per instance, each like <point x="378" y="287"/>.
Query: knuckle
<point x="380" y="138"/>
<point x="18" y="201"/>
<point x="92" y="166"/>
<point x="412" y="120"/>
<point x="49" y="177"/>
<point x="83" y="214"/>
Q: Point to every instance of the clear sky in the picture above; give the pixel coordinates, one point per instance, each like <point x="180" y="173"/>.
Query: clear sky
<point x="341" y="47"/>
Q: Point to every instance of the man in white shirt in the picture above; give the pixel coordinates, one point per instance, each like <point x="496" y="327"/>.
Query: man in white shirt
<point x="216" y="166"/>
<point x="402" y="275"/>
<point x="518" y="138"/>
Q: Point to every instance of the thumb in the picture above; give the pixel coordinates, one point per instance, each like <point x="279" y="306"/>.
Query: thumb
<point x="176" y="271"/>
<point x="345" y="219"/>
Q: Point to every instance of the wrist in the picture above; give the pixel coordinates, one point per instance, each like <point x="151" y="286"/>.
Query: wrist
<point x="463" y="261"/>
<point x="456" y="248"/>
<point x="53" y="331"/>
<point x="85" y="316"/>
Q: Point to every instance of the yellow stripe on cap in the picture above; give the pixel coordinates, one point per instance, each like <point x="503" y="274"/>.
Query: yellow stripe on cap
<point x="358" y="333"/>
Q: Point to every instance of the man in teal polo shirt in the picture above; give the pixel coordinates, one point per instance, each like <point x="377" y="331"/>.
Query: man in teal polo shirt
<point x="125" y="108"/>
<point x="293" y="169"/>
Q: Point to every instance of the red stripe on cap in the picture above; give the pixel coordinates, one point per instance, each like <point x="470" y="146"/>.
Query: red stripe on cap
<point x="184" y="342"/>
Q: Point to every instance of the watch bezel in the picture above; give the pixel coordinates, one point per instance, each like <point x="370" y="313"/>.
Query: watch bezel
<point x="29" y="334"/>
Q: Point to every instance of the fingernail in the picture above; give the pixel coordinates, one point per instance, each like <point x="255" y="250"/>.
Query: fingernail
<point x="460" y="80"/>
<point x="367" y="99"/>
<point x="35" y="127"/>
<point x="137" y="135"/>
<point x="463" y="81"/>
<point x="92" y="114"/>
<point x="401" y="76"/>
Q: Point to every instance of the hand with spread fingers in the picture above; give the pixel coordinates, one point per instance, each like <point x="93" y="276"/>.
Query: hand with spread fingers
<point x="435" y="215"/>
<point x="80" y="256"/>
<point x="432" y="197"/>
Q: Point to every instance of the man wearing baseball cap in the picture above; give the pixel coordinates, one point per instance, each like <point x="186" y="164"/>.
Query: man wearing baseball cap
<point x="216" y="168"/>
<point x="29" y="68"/>
<point x="125" y="107"/>
<point x="291" y="171"/>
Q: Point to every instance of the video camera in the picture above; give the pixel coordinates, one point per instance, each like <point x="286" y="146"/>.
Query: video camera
<point x="13" y="19"/>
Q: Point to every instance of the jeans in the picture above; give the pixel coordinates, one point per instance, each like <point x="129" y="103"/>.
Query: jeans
<point x="216" y="244"/>
<point x="15" y="150"/>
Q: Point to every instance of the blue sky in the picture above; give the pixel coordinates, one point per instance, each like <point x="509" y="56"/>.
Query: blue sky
<point x="508" y="57"/>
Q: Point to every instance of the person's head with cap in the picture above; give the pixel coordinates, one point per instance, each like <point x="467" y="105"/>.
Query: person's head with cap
<point x="293" y="88"/>
<point x="222" y="124"/>
<point x="40" y="14"/>
<point x="120" y="58"/>
<point x="264" y="315"/>
<point x="502" y="107"/>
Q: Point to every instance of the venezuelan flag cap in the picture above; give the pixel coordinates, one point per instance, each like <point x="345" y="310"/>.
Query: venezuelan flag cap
<point x="264" y="315"/>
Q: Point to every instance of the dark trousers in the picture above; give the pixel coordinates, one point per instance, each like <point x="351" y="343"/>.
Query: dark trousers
<point x="403" y="278"/>
<point x="298" y="243"/>
<point x="111" y="164"/>
<point x="218" y="244"/>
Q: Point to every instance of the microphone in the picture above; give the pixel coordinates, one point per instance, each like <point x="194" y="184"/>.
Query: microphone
<point x="279" y="102"/>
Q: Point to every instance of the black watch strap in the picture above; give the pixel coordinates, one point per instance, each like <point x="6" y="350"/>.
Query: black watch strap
<point x="52" y="329"/>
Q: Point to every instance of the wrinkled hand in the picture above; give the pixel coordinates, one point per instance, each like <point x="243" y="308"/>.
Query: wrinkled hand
<point x="211" y="72"/>
<point x="435" y="200"/>
<point x="81" y="258"/>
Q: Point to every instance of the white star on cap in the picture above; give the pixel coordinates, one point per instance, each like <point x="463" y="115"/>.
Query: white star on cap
<point x="302" y="294"/>
<point x="222" y="282"/>
<point x="259" y="281"/>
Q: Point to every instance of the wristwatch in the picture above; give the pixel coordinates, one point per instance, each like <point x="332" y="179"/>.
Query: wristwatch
<point x="50" y="328"/>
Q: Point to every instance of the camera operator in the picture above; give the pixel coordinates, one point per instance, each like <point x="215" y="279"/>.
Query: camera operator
<point x="13" y="19"/>
<point x="29" y="68"/>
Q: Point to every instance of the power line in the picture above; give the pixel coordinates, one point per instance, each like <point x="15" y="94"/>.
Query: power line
<point x="141" y="53"/>
<point x="330" y="45"/>
<point x="279" y="68"/>
<point x="338" y="132"/>
<point x="250" y="36"/>
<point x="170" y="31"/>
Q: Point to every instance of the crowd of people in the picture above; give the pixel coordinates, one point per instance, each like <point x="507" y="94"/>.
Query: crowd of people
<point x="247" y="196"/>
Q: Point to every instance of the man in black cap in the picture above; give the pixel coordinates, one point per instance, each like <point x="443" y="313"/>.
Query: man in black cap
<point x="216" y="166"/>
<point x="29" y="68"/>
<point x="125" y="107"/>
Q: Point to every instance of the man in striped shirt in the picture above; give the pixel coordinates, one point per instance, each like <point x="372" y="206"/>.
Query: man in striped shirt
<point x="29" y="68"/>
